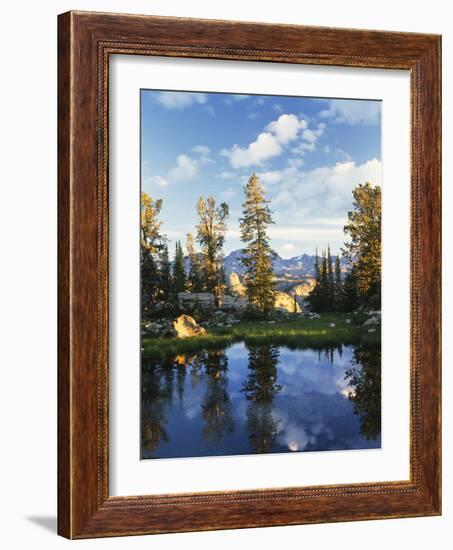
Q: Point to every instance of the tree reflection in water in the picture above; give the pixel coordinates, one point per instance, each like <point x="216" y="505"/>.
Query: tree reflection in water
<point x="260" y="389"/>
<point x="364" y="378"/>
<point x="157" y="391"/>
<point x="216" y="406"/>
<point x="187" y="399"/>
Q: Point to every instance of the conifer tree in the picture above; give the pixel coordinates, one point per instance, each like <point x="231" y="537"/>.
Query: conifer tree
<point x="151" y="243"/>
<point x="179" y="274"/>
<point x="324" y="286"/>
<point x="338" y="286"/>
<point x="364" y="248"/>
<point x="257" y="255"/>
<point x="349" y="292"/>
<point x="314" y="296"/>
<point x="165" y="275"/>
<point x="330" y="306"/>
<point x="211" y="231"/>
<point x="195" y="276"/>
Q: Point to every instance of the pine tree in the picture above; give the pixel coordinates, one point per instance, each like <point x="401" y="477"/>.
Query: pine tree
<point x="211" y="231"/>
<point x="257" y="254"/>
<point x="179" y="274"/>
<point x="165" y="276"/>
<point x="364" y="248"/>
<point x="195" y="276"/>
<point x="324" y="286"/>
<point x="338" y="285"/>
<point x="349" y="292"/>
<point x="151" y="243"/>
<point x="330" y="291"/>
<point x="314" y="296"/>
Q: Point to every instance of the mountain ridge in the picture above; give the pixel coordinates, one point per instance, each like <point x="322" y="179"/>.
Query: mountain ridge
<point x="297" y="266"/>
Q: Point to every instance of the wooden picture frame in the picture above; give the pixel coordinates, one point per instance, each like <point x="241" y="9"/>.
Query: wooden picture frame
<point x="85" y="42"/>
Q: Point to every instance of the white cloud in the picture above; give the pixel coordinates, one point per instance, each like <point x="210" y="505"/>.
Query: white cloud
<point x="227" y="194"/>
<point x="273" y="176"/>
<point x="180" y="100"/>
<point x="286" y="128"/>
<point x="309" y="137"/>
<point x="343" y="155"/>
<point x="225" y="175"/>
<point x="288" y="247"/>
<point x="276" y="176"/>
<point x="295" y="437"/>
<point x="321" y="194"/>
<point x="269" y="143"/>
<point x="186" y="169"/>
<point x="313" y="135"/>
<point x="302" y="234"/>
<point x="294" y="186"/>
<point x="353" y="112"/>
<point x="264" y="147"/>
<point x="157" y="180"/>
<point x="295" y="163"/>
<point x="202" y="150"/>
<point x="304" y="147"/>
<point x="311" y="206"/>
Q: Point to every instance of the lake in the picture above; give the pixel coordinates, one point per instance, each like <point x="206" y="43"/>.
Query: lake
<point x="261" y="398"/>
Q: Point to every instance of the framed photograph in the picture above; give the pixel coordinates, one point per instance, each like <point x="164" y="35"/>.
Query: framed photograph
<point x="249" y="275"/>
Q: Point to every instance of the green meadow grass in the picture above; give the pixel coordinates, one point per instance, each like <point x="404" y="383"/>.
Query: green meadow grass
<point x="294" y="334"/>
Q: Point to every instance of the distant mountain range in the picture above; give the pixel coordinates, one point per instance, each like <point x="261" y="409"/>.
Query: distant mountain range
<point x="299" y="266"/>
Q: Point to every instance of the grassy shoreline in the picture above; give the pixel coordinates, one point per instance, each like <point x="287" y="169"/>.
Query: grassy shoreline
<point x="293" y="333"/>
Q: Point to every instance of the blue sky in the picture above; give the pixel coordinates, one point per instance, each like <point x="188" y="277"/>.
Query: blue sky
<point x="308" y="152"/>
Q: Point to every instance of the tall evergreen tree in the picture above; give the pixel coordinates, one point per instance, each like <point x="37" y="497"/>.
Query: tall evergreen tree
<point x="166" y="283"/>
<point x="211" y="231"/>
<point x="330" y="303"/>
<point x="324" y="287"/>
<point x="364" y="248"/>
<point x="314" y="296"/>
<point x="349" y="292"/>
<point x="179" y="273"/>
<point x="195" y="275"/>
<point x="337" y="285"/>
<point x="151" y="243"/>
<point x="257" y="254"/>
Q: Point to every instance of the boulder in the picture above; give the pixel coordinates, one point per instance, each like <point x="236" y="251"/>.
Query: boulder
<point x="285" y="302"/>
<point x="375" y="320"/>
<point x="189" y="300"/>
<point x="233" y="303"/>
<point x="235" y="285"/>
<point x="303" y="289"/>
<point x="186" y="327"/>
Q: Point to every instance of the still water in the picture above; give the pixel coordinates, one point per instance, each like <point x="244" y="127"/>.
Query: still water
<point x="262" y="398"/>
